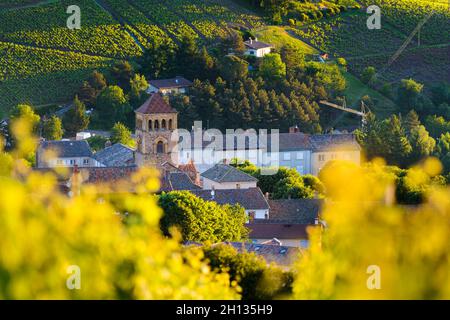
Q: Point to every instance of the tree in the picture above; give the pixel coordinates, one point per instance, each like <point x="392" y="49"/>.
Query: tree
<point x="234" y="68"/>
<point x="411" y="122"/>
<point x="111" y="106"/>
<point x="199" y="220"/>
<point x="437" y="125"/>
<point x="251" y="272"/>
<point x="97" y="81"/>
<point x="394" y="137"/>
<point x="232" y="43"/>
<point x="121" y="134"/>
<point x="26" y="112"/>
<point x="272" y="67"/>
<point x="409" y="96"/>
<point x="158" y="61"/>
<point x="292" y="56"/>
<point x="97" y="142"/>
<point x="422" y="145"/>
<point x="368" y="75"/>
<point x="75" y="119"/>
<point x="52" y="129"/>
<point x="138" y="85"/>
<point x="122" y="73"/>
<point x="87" y="94"/>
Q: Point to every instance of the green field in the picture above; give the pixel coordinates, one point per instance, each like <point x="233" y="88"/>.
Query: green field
<point x="42" y="61"/>
<point x="280" y="36"/>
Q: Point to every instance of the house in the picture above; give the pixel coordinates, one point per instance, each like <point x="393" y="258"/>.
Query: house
<point x="251" y="199"/>
<point x="177" y="85"/>
<point x="257" y="48"/>
<point x="328" y="147"/>
<point x="117" y="155"/>
<point x="224" y="176"/>
<point x="65" y="153"/>
<point x="287" y="223"/>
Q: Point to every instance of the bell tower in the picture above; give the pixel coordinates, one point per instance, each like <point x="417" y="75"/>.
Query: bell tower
<point x="156" y="121"/>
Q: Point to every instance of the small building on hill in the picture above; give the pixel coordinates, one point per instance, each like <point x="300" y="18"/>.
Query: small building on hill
<point x="257" y="48"/>
<point x="177" y="85"/>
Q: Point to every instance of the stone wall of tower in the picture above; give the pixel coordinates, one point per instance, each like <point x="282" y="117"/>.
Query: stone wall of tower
<point x="154" y="129"/>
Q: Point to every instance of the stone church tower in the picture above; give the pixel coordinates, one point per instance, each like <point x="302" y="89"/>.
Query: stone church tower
<point x="156" y="142"/>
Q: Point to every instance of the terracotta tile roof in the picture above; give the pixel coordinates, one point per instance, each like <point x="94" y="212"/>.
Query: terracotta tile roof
<point x="250" y="199"/>
<point x="155" y="104"/>
<point x="107" y="174"/>
<point x="277" y="230"/>
<point x="177" y="82"/>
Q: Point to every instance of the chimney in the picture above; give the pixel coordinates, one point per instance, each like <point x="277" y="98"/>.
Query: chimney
<point x="251" y="40"/>
<point x="316" y="221"/>
<point x="294" y="129"/>
<point x="108" y="143"/>
<point x="266" y="195"/>
<point x="213" y="193"/>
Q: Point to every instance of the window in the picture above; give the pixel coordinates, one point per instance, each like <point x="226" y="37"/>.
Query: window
<point x="85" y="161"/>
<point x="170" y="124"/>
<point x="72" y="161"/>
<point x="321" y="157"/>
<point x="150" y="125"/>
<point x="238" y="185"/>
<point x="156" y="127"/>
<point x="252" y="52"/>
<point x="160" y="147"/>
<point x="163" y="124"/>
<point x="286" y="156"/>
<point x="299" y="155"/>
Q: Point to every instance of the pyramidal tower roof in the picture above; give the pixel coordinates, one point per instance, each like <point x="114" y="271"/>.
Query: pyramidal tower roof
<point x="155" y="104"/>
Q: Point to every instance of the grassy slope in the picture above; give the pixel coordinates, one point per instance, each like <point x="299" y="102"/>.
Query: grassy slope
<point x="356" y="90"/>
<point x="278" y="36"/>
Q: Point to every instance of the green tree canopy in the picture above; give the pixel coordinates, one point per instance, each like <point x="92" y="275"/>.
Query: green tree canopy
<point x="234" y="68"/>
<point x="251" y="272"/>
<point x="26" y="112"/>
<point x="75" y="119"/>
<point x="121" y="134"/>
<point x="52" y="128"/>
<point x="272" y="67"/>
<point x="111" y="106"/>
<point x="201" y="221"/>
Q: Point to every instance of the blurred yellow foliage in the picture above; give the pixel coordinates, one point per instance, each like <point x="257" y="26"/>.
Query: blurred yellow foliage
<point x="409" y="246"/>
<point x="113" y="238"/>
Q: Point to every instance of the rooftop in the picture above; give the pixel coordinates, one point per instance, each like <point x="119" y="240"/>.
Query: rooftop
<point x="255" y="44"/>
<point x="67" y="149"/>
<point x="177" y="82"/>
<point x="177" y="181"/>
<point x="330" y="142"/>
<point x="277" y="230"/>
<point x="299" y="211"/>
<point x="117" y="155"/>
<point x="226" y="173"/>
<point x="249" y="199"/>
<point x="155" y="104"/>
<point x="281" y="255"/>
